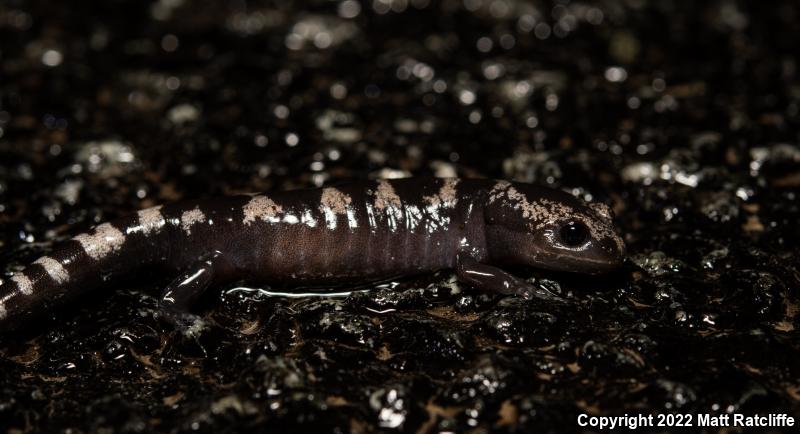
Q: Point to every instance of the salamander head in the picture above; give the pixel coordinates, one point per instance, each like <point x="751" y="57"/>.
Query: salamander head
<point x="536" y="226"/>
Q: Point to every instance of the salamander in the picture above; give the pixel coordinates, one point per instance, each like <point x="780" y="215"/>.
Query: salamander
<point x="362" y="231"/>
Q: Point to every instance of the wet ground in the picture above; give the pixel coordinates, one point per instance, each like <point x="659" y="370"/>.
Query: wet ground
<point x="684" y="119"/>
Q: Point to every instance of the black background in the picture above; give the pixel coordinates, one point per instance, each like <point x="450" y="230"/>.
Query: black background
<point x="683" y="118"/>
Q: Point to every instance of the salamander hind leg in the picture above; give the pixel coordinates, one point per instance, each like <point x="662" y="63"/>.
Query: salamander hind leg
<point x="489" y="278"/>
<point x="178" y="297"/>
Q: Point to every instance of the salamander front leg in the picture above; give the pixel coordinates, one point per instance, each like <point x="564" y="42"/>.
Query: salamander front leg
<point x="177" y="298"/>
<point x="493" y="279"/>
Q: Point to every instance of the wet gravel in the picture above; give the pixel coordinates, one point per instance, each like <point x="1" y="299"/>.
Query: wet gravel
<point x="684" y="119"/>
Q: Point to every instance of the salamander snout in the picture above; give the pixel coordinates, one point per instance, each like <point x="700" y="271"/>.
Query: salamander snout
<point x="551" y="229"/>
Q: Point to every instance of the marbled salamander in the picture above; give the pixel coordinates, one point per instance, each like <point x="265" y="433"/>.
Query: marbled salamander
<point x="355" y="232"/>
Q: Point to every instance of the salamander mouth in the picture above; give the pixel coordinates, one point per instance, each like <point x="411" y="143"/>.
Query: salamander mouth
<point x="584" y="265"/>
<point x="586" y="262"/>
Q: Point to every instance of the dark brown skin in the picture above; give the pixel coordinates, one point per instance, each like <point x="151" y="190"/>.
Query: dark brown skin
<point x="356" y="232"/>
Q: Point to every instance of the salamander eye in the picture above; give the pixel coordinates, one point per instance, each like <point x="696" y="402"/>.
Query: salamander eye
<point x="573" y="234"/>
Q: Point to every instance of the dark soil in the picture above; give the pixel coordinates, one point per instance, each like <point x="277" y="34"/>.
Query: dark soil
<point x="685" y="119"/>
